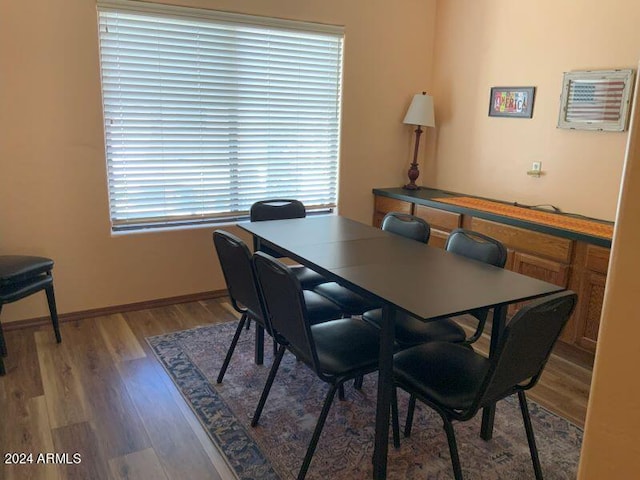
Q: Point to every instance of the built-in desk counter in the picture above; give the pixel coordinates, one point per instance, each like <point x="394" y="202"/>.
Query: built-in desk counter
<point x="567" y="250"/>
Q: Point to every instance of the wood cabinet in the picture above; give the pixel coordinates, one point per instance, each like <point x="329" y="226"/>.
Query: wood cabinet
<point x="571" y="263"/>
<point x="384" y="205"/>
<point x="441" y="222"/>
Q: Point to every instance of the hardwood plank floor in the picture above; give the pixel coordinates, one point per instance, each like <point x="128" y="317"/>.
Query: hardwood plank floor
<point x="102" y="394"/>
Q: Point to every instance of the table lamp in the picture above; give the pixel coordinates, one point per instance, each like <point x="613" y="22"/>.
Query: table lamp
<point x="420" y="114"/>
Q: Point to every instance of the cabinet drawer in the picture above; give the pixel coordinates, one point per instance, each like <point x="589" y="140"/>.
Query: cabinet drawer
<point x="528" y="241"/>
<point x="386" y="205"/>
<point x="439" y="219"/>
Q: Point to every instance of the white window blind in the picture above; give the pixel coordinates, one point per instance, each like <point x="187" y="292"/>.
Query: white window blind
<point x="206" y="112"/>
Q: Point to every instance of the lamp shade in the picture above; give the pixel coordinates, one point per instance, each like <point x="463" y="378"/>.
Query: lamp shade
<point x="420" y="111"/>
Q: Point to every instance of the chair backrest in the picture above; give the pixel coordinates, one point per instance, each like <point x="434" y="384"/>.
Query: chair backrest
<point x="525" y="346"/>
<point x="285" y="307"/>
<point x="483" y="248"/>
<point x="274" y="209"/>
<point x="407" y="225"/>
<point x="476" y="246"/>
<point x="235" y="260"/>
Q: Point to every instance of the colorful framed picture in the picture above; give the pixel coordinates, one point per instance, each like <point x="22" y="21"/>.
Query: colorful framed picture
<point x="515" y="102"/>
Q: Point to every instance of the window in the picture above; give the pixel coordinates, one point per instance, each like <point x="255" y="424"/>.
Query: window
<point x="207" y="112"/>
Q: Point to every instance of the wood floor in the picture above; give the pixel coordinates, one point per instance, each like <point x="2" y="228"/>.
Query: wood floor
<point x="101" y="394"/>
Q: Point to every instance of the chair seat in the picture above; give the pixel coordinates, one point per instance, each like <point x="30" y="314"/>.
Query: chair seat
<point x="346" y="345"/>
<point x="349" y="302"/>
<point x="449" y="374"/>
<point x="319" y="309"/>
<point x="15" y="291"/>
<point x="19" y="268"/>
<point x="413" y="331"/>
<point x="308" y="278"/>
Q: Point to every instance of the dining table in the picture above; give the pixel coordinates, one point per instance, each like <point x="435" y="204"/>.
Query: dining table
<point x="401" y="275"/>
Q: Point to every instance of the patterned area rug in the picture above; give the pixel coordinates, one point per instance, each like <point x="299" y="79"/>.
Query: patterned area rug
<point x="274" y="449"/>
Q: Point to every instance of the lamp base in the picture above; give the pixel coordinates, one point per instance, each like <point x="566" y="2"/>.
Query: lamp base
<point x="413" y="174"/>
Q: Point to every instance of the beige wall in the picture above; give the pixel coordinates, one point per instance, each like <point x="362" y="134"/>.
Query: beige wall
<point x="53" y="196"/>
<point x="610" y="448"/>
<point x="499" y="42"/>
<point x="507" y="43"/>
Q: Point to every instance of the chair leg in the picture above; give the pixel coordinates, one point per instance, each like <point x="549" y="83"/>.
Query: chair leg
<point x="51" y="300"/>
<point x="3" y="349"/>
<point x="259" y="345"/>
<point x="410" y="410"/>
<point x="530" y="437"/>
<point x="232" y="347"/>
<point x="395" y="424"/>
<point x="3" y="344"/>
<point x="248" y="324"/>
<point x="267" y="386"/>
<point x="453" y="447"/>
<point x="357" y="383"/>
<point x="316" y="433"/>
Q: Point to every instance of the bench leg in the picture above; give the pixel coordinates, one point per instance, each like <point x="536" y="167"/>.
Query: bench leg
<point x="3" y="345"/>
<point x="3" y="348"/>
<point x="51" y="300"/>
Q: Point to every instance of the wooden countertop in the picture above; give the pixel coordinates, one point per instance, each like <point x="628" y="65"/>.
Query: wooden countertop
<point x="594" y="231"/>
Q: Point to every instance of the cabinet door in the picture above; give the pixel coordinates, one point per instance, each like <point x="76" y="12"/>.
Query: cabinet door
<point x="540" y="268"/>
<point x="591" y="297"/>
<point x="438" y="238"/>
<point x="384" y="205"/>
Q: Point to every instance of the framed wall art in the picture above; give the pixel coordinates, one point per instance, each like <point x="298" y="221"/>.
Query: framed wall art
<point x="514" y="102"/>
<point x="596" y="100"/>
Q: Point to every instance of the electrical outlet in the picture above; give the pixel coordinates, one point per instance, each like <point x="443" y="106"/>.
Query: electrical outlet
<point x="536" y="167"/>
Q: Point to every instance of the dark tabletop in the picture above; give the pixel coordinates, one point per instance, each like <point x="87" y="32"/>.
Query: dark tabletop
<point x="424" y="281"/>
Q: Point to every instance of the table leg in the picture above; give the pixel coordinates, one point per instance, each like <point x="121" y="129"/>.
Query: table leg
<point x="497" y="327"/>
<point x="385" y="390"/>
<point x="259" y="348"/>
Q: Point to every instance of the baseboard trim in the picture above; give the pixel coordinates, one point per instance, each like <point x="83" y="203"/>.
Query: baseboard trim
<point x="129" y="307"/>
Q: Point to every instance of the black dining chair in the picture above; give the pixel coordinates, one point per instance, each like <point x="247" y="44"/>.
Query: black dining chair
<point x="239" y="275"/>
<point x="412" y="331"/>
<point x="21" y="276"/>
<point x="337" y="350"/>
<point x="407" y="225"/>
<point x="283" y="209"/>
<point x="456" y="382"/>
<point x="483" y="248"/>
